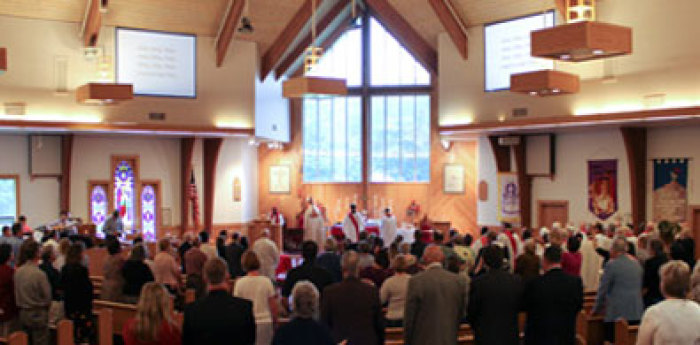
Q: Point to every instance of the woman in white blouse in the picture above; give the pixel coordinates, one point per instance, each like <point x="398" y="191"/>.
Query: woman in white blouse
<point x="258" y="289"/>
<point x="394" y="291"/>
<point x="675" y="320"/>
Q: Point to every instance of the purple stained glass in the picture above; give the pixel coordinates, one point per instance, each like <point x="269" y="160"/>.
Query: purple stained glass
<point x="148" y="213"/>
<point x="98" y="207"/>
<point x="124" y="193"/>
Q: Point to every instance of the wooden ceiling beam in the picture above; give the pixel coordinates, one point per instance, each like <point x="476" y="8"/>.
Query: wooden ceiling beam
<point x="307" y="40"/>
<point x="276" y="51"/>
<point x="404" y="33"/>
<point x="453" y="26"/>
<point x="561" y="7"/>
<point x="228" y="28"/>
<point x="326" y="44"/>
<point x="92" y="24"/>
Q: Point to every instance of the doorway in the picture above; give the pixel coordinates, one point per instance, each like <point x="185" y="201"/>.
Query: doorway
<point x="550" y="211"/>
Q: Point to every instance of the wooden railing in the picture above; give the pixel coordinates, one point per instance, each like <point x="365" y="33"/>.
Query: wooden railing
<point x="16" y="338"/>
<point x="624" y="333"/>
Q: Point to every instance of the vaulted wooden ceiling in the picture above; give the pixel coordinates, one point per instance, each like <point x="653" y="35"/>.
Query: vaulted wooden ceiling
<point x="270" y="18"/>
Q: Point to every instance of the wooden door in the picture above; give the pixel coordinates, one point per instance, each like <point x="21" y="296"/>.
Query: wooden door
<point x="694" y="218"/>
<point x="550" y="211"/>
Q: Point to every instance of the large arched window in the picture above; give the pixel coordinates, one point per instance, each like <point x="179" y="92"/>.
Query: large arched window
<point x="389" y="90"/>
<point x="124" y="194"/>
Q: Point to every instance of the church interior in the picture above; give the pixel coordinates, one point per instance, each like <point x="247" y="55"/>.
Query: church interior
<point x="271" y="117"/>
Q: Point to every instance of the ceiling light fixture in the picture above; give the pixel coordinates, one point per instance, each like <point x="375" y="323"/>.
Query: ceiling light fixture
<point x="307" y="85"/>
<point x="246" y="24"/>
<point x="544" y="83"/>
<point x="104" y="93"/>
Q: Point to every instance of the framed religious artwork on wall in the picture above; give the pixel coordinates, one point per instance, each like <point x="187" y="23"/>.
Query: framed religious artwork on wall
<point x="279" y="179"/>
<point x="453" y="179"/>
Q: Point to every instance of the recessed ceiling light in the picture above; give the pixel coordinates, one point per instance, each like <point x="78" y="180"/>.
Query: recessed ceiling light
<point x="598" y="52"/>
<point x="565" y="57"/>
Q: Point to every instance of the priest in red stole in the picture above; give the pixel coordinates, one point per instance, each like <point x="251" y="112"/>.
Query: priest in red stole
<point x="276" y="218"/>
<point x="353" y="224"/>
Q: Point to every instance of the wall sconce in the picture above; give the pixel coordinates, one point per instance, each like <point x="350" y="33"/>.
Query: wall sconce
<point x="446" y="144"/>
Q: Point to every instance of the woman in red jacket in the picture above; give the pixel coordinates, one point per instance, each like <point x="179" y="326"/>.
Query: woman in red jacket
<point x="153" y="323"/>
<point x="8" y="309"/>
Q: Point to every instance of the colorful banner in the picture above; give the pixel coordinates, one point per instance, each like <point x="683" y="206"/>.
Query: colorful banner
<point x="602" y="187"/>
<point x="670" y="198"/>
<point x="508" y="198"/>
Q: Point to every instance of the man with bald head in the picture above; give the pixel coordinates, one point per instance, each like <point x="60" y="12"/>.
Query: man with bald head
<point x="352" y="309"/>
<point x="435" y="303"/>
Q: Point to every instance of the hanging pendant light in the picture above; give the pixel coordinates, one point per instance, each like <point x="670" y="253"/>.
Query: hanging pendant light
<point x="582" y="38"/>
<point x="306" y="85"/>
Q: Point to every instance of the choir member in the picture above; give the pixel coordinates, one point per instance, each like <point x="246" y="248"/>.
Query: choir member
<point x="388" y="226"/>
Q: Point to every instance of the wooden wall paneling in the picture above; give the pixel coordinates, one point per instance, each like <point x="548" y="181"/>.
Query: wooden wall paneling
<point x="635" y="139"/>
<point x="186" y="153"/>
<point x="230" y="24"/>
<point x="404" y="33"/>
<point x="93" y="23"/>
<point x="211" y="147"/>
<point x="501" y="154"/>
<point x="525" y="183"/>
<point x="66" y="159"/>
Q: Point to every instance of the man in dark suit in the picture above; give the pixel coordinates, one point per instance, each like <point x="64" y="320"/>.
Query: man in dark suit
<point x="218" y="318"/>
<point x="435" y="303"/>
<point x="309" y="270"/>
<point x="552" y="302"/>
<point x="494" y="302"/>
<point x="233" y="252"/>
<point x="352" y="309"/>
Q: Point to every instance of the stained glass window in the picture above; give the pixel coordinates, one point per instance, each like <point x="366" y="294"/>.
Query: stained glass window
<point x="124" y="193"/>
<point x="8" y="200"/>
<point x="148" y="213"/>
<point x="98" y="207"/>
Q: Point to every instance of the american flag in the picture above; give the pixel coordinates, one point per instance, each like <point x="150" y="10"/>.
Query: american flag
<point x="194" y="199"/>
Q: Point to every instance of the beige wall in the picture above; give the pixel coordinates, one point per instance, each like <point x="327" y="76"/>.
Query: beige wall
<point x="39" y="198"/>
<point x="224" y="94"/>
<point x="664" y="61"/>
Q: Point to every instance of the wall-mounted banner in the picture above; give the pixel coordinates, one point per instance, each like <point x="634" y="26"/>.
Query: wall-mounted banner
<point x="508" y="198"/>
<point x="670" y="198"/>
<point x="602" y="187"/>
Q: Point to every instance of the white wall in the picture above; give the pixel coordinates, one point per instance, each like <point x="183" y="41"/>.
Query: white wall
<point x="236" y="159"/>
<point x="159" y="159"/>
<point x="487" y="211"/>
<point x="570" y="183"/>
<point x="662" y="62"/>
<point x="39" y="198"/>
<point x="224" y="94"/>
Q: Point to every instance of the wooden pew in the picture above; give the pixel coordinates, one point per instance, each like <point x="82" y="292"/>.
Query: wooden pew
<point x="624" y="333"/>
<point x="64" y="333"/>
<point x="396" y="333"/>
<point x="105" y="331"/>
<point x="121" y="312"/>
<point x="16" y="338"/>
<point x="590" y="328"/>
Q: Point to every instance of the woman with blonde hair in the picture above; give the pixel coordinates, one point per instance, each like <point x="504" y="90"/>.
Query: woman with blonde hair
<point x="675" y="320"/>
<point x="153" y="323"/>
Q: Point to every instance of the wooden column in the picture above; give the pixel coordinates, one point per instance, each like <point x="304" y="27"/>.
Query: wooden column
<point x="186" y="153"/>
<point x="211" y="146"/>
<point x="501" y="153"/>
<point x="525" y="183"/>
<point x="636" y="147"/>
<point x="66" y="158"/>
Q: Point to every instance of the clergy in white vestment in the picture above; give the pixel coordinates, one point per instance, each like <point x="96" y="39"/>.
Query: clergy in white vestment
<point x="276" y="218"/>
<point x="353" y="224"/>
<point x="268" y="255"/>
<point x="591" y="264"/>
<point x="308" y="211"/>
<point x="388" y="227"/>
<point x="314" y="227"/>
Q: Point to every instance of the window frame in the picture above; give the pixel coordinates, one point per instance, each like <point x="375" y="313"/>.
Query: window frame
<point x="365" y="91"/>
<point x="18" y="190"/>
